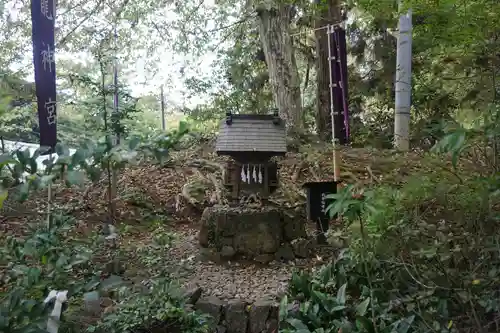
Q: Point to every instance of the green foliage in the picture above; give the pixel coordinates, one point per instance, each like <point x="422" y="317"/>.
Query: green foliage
<point x="87" y="162"/>
<point x="423" y="257"/>
<point x="46" y="260"/>
<point x="453" y="71"/>
<point x="100" y="114"/>
<point x="482" y="136"/>
<point x="336" y="298"/>
<point x="162" y="308"/>
<point x="425" y="251"/>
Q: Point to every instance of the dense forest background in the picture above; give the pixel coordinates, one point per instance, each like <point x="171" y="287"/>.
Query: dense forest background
<point x="454" y="64"/>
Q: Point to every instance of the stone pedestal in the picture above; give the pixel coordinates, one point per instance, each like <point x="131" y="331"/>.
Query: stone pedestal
<point x="249" y="232"/>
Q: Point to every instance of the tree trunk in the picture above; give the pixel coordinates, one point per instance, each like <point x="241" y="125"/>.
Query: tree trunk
<point x="327" y="13"/>
<point x="274" y="30"/>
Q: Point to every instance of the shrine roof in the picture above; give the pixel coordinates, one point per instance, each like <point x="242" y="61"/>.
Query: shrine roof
<point x="251" y="133"/>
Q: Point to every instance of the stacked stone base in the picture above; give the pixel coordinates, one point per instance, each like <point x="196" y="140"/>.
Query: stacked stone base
<point x="263" y="234"/>
<point x="237" y="316"/>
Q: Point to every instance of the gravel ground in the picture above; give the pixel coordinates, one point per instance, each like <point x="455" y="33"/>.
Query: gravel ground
<point x="229" y="280"/>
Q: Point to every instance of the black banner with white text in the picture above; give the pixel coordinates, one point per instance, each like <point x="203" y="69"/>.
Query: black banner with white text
<point x="339" y="93"/>
<point x="43" y="15"/>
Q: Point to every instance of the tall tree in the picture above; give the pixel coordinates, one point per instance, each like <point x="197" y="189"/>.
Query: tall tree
<point x="274" y="21"/>
<point x="327" y="12"/>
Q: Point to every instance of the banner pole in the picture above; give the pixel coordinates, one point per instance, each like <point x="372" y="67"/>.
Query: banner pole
<point x="49" y="199"/>
<point x="336" y="157"/>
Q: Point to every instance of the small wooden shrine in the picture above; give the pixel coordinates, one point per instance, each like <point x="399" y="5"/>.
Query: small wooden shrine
<point x="251" y="140"/>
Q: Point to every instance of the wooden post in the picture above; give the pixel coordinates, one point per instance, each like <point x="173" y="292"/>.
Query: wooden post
<point x="237" y="181"/>
<point x="336" y="153"/>
<point x="162" y="108"/>
<point x="267" y="190"/>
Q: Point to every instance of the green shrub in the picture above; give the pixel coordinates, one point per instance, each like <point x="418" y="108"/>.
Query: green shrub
<point x="423" y="257"/>
<point x="162" y="309"/>
<point x="428" y="249"/>
<point x="337" y="298"/>
<point x="437" y="239"/>
<point x="426" y="207"/>
<point x="45" y="260"/>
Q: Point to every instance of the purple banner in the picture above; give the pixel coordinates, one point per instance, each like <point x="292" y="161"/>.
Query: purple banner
<point x="342" y="54"/>
<point x="43" y="15"/>
<point x="339" y="90"/>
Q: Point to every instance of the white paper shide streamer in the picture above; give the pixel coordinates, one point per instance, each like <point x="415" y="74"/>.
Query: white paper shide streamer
<point x="252" y="172"/>
<point x="248" y="175"/>
<point x="243" y="175"/>
<point x="55" y="316"/>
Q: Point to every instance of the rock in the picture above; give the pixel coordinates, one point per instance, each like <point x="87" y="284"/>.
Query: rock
<point x="293" y="308"/>
<point x="285" y="252"/>
<point x="115" y="267"/>
<point x="337" y="240"/>
<point x="281" y="293"/>
<point x="203" y="237"/>
<point x="275" y="311"/>
<point x="265" y="258"/>
<point x="210" y="255"/>
<point x="227" y="252"/>
<point x="227" y="241"/>
<point x="92" y="302"/>
<point x="301" y="247"/>
<point x="272" y="325"/>
<point x="192" y="295"/>
<point x="205" y="252"/>
<point x="236" y="317"/>
<point x="212" y="306"/>
<point x="293" y="228"/>
<point x="189" y="307"/>
<point x="253" y="231"/>
<point x="336" y="243"/>
<point x="258" y="314"/>
<point x="220" y="329"/>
